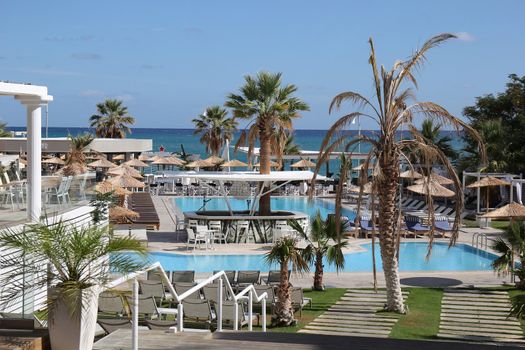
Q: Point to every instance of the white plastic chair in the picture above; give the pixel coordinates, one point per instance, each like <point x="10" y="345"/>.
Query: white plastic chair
<point x="195" y="238"/>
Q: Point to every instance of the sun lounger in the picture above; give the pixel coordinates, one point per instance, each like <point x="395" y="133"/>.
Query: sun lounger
<point x="155" y="289"/>
<point x="110" y="325"/>
<point x="230" y="274"/>
<point x="199" y="311"/>
<point x="110" y="304"/>
<point x="298" y="300"/>
<point x="244" y="278"/>
<point x="147" y="308"/>
<point x="274" y="277"/>
<point x="183" y="287"/>
<point x="160" y="325"/>
<point x="210" y="293"/>
<point x="187" y="276"/>
<point x="270" y="300"/>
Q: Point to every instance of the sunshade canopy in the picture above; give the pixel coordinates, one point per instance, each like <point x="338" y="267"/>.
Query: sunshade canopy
<point x="126" y="181"/>
<point x="441" y="180"/>
<point x="105" y="187"/>
<point x="117" y="213"/>
<point x="410" y="174"/>
<point x="214" y="160"/>
<point x="488" y="181"/>
<point x="125" y="170"/>
<point x="102" y="163"/>
<point x="303" y="163"/>
<point x="272" y="164"/>
<point x="119" y="157"/>
<point x="512" y="210"/>
<point x="200" y="163"/>
<point x="234" y="163"/>
<point x="431" y="188"/>
<point x="136" y="163"/>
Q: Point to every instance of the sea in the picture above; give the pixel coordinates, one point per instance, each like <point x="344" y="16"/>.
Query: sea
<point x="178" y="140"/>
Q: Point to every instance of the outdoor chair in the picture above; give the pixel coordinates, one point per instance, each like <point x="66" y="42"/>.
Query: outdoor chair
<point x="247" y="277"/>
<point x="274" y="277"/>
<point x="154" y="275"/>
<point x="153" y="289"/>
<point x="270" y="300"/>
<point x="228" y="315"/>
<point x="181" y="287"/>
<point x="110" y="304"/>
<point x="147" y="307"/>
<point x="160" y="325"/>
<point x="187" y="276"/>
<point x="110" y="325"/>
<point x="230" y="274"/>
<point x="414" y="225"/>
<point x="298" y="300"/>
<point x="241" y="230"/>
<point x="210" y="293"/>
<point x="195" y="238"/>
<point x="8" y="195"/>
<point x="218" y="235"/>
<point x="199" y="311"/>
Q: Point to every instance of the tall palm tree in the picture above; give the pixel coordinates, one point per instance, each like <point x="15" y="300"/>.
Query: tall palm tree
<point x="3" y="131"/>
<point x="324" y="240"/>
<point x="112" y="120"/>
<point x="431" y="131"/>
<point x="215" y="128"/>
<point x="267" y="105"/>
<point x="393" y="109"/>
<point x="76" y="159"/>
<point x="283" y="143"/>
<point x="511" y="247"/>
<point x="285" y="253"/>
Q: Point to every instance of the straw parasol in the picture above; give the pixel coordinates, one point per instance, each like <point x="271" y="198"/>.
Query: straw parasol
<point x="144" y="158"/>
<point x="488" y="181"/>
<point x="126" y="181"/>
<point x="410" y="174"/>
<point x="272" y="164"/>
<point x="512" y="210"/>
<point x="175" y="161"/>
<point x="125" y="170"/>
<point x="102" y="163"/>
<point x="136" y="163"/>
<point x="303" y="163"/>
<point x="157" y="160"/>
<point x="234" y="163"/>
<point x="119" y="157"/>
<point x="117" y="213"/>
<point x="106" y="186"/>
<point x="441" y="180"/>
<point x="367" y="188"/>
<point x="54" y="160"/>
<point x="432" y="188"/>
<point x="214" y="160"/>
<point x="200" y="163"/>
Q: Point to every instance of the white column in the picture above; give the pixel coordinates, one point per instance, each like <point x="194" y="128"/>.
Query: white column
<point x="34" y="159"/>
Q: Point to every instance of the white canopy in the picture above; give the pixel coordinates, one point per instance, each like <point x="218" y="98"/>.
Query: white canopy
<point x="246" y="176"/>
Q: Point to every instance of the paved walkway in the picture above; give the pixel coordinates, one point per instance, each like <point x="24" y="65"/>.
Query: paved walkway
<point x="355" y="314"/>
<point x="478" y="315"/>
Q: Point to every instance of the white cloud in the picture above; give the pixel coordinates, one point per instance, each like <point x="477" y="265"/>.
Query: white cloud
<point x="465" y="36"/>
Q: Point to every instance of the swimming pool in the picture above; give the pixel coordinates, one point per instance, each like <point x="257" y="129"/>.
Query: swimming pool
<point x="300" y="204"/>
<point x="461" y="257"/>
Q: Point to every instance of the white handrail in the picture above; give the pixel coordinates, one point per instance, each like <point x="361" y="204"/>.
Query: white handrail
<point x="221" y="276"/>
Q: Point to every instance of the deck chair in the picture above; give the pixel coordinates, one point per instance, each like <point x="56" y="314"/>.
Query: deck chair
<point x="199" y="311"/>
<point x="110" y="325"/>
<point x="270" y="300"/>
<point x="110" y="305"/>
<point x="228" y="315"/>
<point x="210" y="292"/>
<point x="298" y="300"/>
<point x="274" y="277"/>
<point x="153" y="289"/>
<point x="230" y="274"/>
<point x="187" y="276"/>
<point x="160" y="325"/>
<point x="247" y="277"/>
<point x="147" y="307"/>
<point x="183" y="287"/>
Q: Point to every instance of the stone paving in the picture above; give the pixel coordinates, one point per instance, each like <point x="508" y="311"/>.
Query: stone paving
<point x="478" y="315"/>
<point x="355" y="314"/>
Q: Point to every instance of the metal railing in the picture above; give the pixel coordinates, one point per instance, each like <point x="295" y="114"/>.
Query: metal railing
<point x="249" y="293"/>
<point x="480" y="240"/>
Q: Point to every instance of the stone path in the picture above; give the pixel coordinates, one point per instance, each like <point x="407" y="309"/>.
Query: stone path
<point x="355" y="314"/>
<point x="478" y="315"/>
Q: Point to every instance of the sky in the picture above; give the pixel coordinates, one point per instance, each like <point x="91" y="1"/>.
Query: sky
<point x="169" y="60"/>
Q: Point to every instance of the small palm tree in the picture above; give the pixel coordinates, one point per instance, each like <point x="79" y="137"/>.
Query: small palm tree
<point x="267" y="105"/>
<point x="3" y="131"/>
<point x="324" y="240"/>
<point x="76" y="159"/>
<point x="215" y="128"/>
<point x="285" y="253"/>
<point x="283" y="143"/>
<point x="511" y="247"/>
<point x="112" y="120"/>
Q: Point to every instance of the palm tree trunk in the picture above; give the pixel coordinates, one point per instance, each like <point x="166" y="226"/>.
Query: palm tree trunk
<point x="319" y="270"/>
<point x="265" y="153"/>
<point x="387" y="189"/>
<point x="283" y="315"/>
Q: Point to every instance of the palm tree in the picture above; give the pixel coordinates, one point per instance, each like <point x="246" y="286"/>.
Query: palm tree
<point x="285" y="253"/>
<point x="76" y="160"/>
<point x="3" y="131"/>
<point x="432" y="134"/>
<point x="511" y="247"/>
<point x="393" y="110"/>
<point x="324" y="240"/>
<point x="497" y="146"/>
<point x="215" y="128"/>
<point x="112" y="120"/>
<point x="268" y="106"/>
<point x="283" y="143"/>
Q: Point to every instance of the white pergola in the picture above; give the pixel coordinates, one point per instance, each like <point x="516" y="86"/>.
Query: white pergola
<point x="33" y="97"/>
<point x="268" y="180"/>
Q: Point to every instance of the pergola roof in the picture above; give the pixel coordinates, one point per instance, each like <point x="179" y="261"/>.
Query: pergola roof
<point x="248" y="176"/>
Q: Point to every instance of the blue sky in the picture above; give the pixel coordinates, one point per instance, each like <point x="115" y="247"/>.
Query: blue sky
<point x="168" y="60"/>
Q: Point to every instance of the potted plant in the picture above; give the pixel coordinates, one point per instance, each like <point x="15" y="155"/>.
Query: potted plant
<point x="74" y="263"/>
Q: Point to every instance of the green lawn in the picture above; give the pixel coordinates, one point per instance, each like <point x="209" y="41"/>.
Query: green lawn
<point x="494" y="224"/>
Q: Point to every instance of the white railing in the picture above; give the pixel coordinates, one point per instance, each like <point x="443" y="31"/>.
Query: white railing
<point x="480" y="239"/>
<point x="249" y="293"/>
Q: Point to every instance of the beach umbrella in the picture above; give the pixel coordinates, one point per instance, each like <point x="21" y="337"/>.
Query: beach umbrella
<point x="119" y="157"/>
<point x="214" y="160"/>
<point x="117" y="213"/>
<point x="125" y="170"/>
<point x="367" y="188"/>
<point x="144" y="158"/>
<point x="157" y="160"/>
<point x="431" y="188"/>
<point x="136" y="163"/>
<point x="272" y="164"/>
<point x="303" y="163"/>
<point x="175" y="161"/>
<point x="200" y="163"/>
<point x="102" y="163"/>
<point x="54" y="161"/>
<point x="488" y="181"/>
<point x="234" y="163"/>
<point x="512" y="210"/>
<point x="126" y="181"/>
<point x="410" y="174"/>
<point x="106" y="186"/>
<point x="441" y="180"/>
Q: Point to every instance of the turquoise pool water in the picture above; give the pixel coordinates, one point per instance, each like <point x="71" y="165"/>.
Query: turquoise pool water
<point x="461" y="257"/>
<point x="299" y="204"/>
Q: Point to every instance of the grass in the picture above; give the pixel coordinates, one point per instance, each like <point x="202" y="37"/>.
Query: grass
<point x="422" y="320"/>
<point x="494" y="224"/>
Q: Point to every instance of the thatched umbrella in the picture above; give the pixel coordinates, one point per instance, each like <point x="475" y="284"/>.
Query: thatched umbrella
<point x="54" y="161"/>
<point x="435" y="178"/>
<point x="144" y="158"/>
<point x="272" y="164"/>
<point x="72" y="169"/>
<point x="512" y="210"/>
<point x="303" y="163"/>
<point x="119" y="157"/>
<point x="214" y="160"/>
<point x="118" y="213"/>
<point x="367" y="188"/>
<point x="102" y="163"/>
<point x="234" y="163"/>
<point x="175" y="161"/>
<point x="125" y="170"/>
<point x="157" y="160"/>
<point x="105" y="187"/>
<point x="410" y="174"/>
<point x="136" y="163"/>
<point x="200" y="163"/>
<point x="488" y="181"/>
<point x="431" y="188"/>
<point x="126" y="181"/>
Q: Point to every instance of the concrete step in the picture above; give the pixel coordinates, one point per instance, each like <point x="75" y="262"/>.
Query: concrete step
<point x="474" y="291"/>
<point x="347" y="329"/>
<point x="357" y="323"/>
<point x="476" y="321"/>
<point x="477" y="316"/>
<point x="476" y="296"/>
<point x="323" y="332"/>
<point x="483" y="334"/>
<point x="478" y="338"/>
<point x="481" y="330"/>
<point x="505" y="305"/>
<point x="362" y="315"/>
<point x="473" y="308"/>
<point x="358" y="318"/>
<point x="357" y="327"/>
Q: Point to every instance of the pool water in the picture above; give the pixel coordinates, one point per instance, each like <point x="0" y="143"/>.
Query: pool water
<point x="300" y="204"/>
<point x="461" y="257"/>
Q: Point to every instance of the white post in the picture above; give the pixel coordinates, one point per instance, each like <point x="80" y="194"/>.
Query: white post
<point x="250" y="311"/>
<point x="236" y="316"/>
<point x="135" y="316"/>
<point x="264" y="314"/>
<point x="180" y="317"/>
<point x="34" y="159"/>
<point x="219" y="306"/>
<point x="478" y="192"/>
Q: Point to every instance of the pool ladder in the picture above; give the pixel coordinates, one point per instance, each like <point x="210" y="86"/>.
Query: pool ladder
<point x="480" y="240"/>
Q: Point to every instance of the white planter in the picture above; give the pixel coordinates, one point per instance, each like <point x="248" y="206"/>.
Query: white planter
<point x="76" y="331"/>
